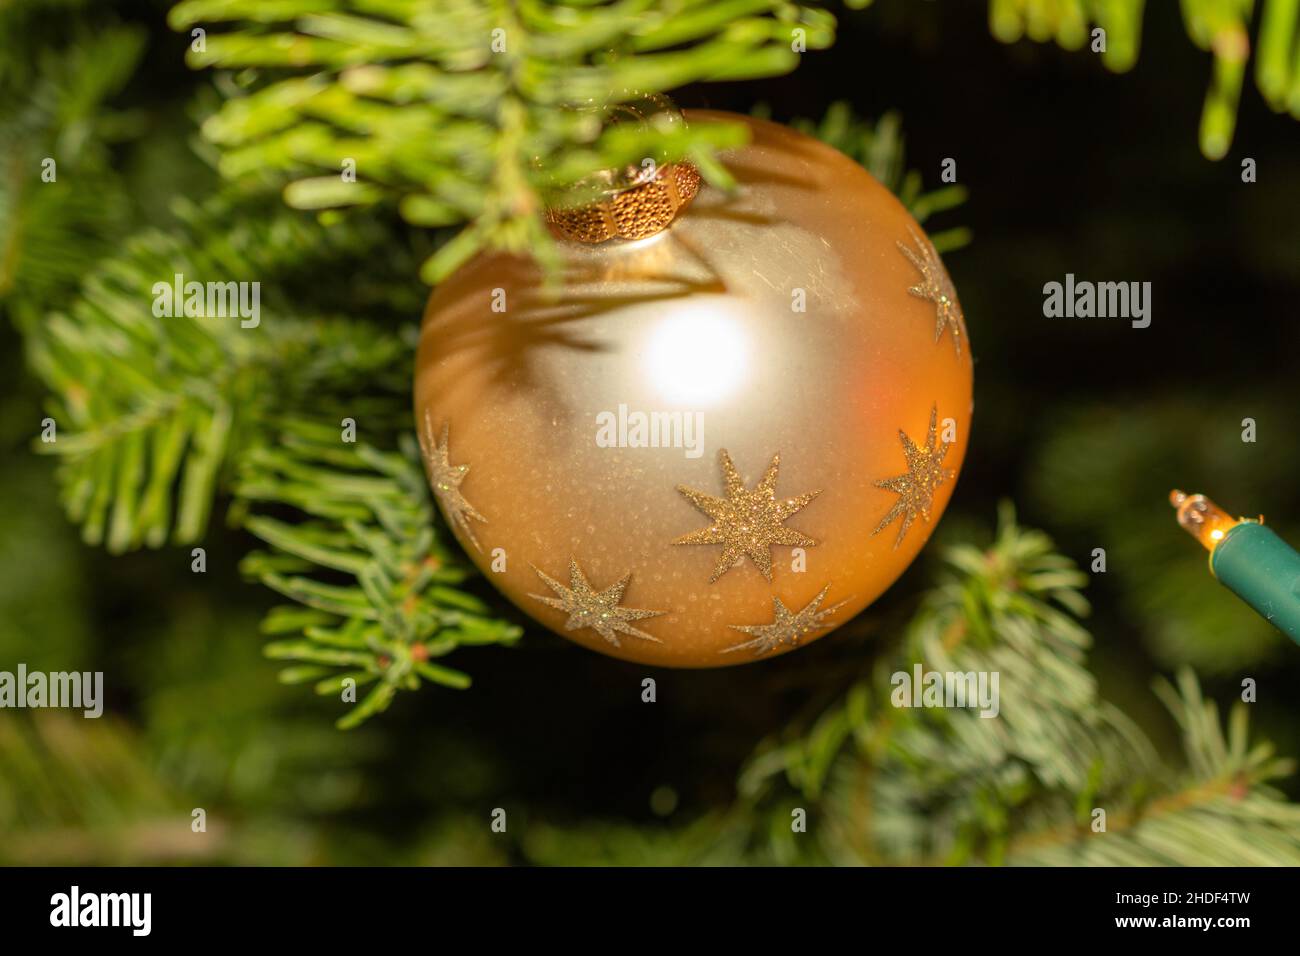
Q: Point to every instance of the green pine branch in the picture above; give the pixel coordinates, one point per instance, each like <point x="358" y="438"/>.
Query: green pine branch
<point x="378" y="590"/>
<point x="473" y="113"/>
<point x="149" y="408"/>
<point x="1220" y="811"/>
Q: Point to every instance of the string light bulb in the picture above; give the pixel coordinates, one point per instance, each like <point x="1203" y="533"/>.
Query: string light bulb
<point x="1202" y="518"/>
<point x="1247" y="558"/>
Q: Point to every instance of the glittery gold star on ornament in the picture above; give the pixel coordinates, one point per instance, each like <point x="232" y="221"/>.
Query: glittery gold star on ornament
<point x="936" y="287"/>
<point x="925" y="473"/>
<point x="445" y="479"/>
<point x="746" y="523"/>
<point x="597" y="610"/>
<point x="787" y="627"/>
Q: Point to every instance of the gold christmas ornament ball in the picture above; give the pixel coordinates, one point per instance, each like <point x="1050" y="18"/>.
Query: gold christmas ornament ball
<point x="714" y="444"/>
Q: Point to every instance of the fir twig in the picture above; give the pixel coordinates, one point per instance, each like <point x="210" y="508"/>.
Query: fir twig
<point x="149" y="407"/>
<point x="474" y="112"/>
<point x="368" y="518"/>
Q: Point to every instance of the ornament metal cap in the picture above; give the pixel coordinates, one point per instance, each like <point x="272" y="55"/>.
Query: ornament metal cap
<point x="632" y="203"/>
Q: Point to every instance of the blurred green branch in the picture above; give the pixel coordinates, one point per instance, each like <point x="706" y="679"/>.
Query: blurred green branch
<point x="879" y="147"/>
<point x="947" y="786"/>
<point x="881" y="784"/>
<point x="61" y="202"/>
<point x="87" y="793"/>
<point x="1219" y="27"/>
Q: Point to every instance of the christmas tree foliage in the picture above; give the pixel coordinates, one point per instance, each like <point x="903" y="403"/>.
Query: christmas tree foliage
<point x="468" y="132"/>
<point x="221" y="138"/>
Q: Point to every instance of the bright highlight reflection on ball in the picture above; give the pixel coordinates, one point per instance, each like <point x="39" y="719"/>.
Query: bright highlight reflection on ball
<point x="697" y="357"/>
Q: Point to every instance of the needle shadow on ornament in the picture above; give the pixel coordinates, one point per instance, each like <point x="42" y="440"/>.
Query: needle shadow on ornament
<point x="732" y="207"/>
<point x="731" y="212"/>
<point x="507" y="346"/>
<point x="753" y="173"/>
